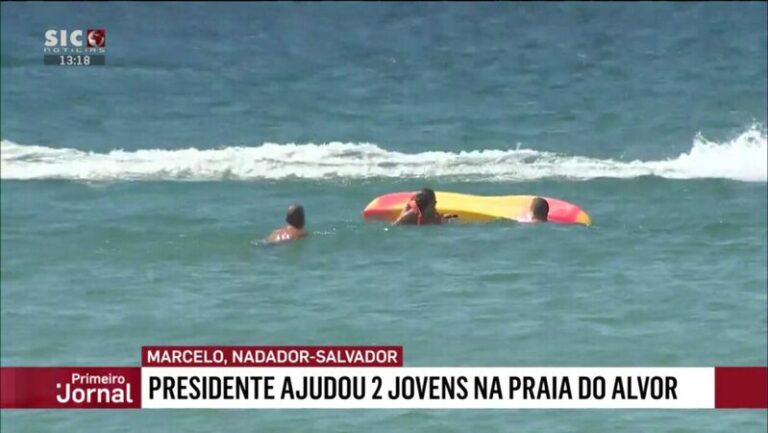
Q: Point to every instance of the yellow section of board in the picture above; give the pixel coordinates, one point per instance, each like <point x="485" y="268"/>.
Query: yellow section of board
<point x="474" y="208"/>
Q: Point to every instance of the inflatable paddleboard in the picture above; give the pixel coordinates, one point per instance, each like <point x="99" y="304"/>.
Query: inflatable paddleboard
<point x="478" y="208"/>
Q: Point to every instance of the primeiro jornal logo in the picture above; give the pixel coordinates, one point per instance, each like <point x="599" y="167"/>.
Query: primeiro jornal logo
<point x="67" y="47"/>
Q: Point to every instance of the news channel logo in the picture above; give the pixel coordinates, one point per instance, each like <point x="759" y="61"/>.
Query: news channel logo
<point x="63" y="47"/>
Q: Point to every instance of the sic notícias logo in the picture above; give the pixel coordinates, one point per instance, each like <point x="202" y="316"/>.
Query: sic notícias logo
<point x="75" y="41"/>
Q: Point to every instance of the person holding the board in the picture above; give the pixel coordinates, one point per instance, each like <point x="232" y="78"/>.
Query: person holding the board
<point x="421" y="209"/>
<point x="295" y="228"/>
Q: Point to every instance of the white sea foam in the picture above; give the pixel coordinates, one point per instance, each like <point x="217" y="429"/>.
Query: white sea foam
<point x="744" y="158"/>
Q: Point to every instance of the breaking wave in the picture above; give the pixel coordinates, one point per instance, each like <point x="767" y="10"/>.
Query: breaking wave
<point x="743" y="158"/>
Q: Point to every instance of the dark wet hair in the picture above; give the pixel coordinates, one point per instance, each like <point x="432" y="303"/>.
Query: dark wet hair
<point x="425" y="197"/>
<point x="540" y="209"/>
<point x="295" y="216"/>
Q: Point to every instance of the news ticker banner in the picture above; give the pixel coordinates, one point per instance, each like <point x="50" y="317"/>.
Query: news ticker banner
<point x="368" y="377"/>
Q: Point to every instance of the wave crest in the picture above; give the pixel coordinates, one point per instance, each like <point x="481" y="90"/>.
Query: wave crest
<point x="743" y="158"/>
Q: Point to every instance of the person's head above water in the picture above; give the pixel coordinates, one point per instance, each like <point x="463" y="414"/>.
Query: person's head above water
<point x="295" y="216"/>
<point x="425" y="199"/>
<point x="539" y="209"/>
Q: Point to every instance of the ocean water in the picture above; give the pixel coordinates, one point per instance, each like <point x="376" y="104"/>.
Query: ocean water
<point x="131" y="194"/>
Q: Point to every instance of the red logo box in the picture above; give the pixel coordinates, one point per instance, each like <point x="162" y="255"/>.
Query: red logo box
<point x="70" y="387"/>
<point x="96" y="38"/>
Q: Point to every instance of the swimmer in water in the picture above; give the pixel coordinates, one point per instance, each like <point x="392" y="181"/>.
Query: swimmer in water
<point x="295" y="228"/>
<point x="421" y="209"/>
<point x="539" y="210"/>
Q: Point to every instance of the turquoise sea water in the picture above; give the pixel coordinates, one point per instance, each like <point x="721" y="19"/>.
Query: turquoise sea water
<point x="131" y="193"/>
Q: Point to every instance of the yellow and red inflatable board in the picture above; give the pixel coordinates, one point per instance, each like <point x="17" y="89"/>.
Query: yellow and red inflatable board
<point x="477" y="208"/>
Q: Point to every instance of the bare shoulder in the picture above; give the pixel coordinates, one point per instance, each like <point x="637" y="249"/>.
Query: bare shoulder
<point x="278" y="235"/>
<point x="407" y="217"/>
<point x="285" y="234"/>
